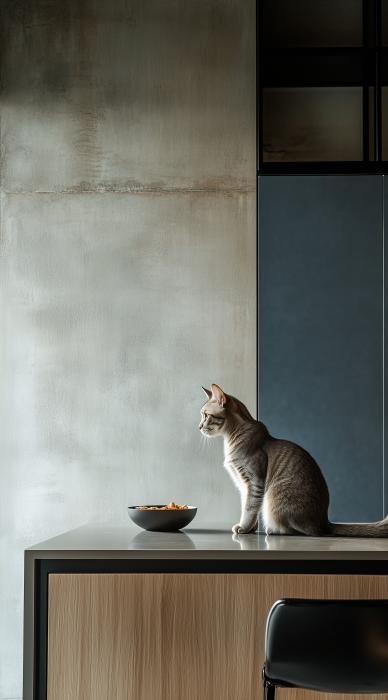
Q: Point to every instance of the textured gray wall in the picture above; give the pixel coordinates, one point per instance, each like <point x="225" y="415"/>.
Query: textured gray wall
<point x="128" y="263"/>
<point x="321" y="329"/>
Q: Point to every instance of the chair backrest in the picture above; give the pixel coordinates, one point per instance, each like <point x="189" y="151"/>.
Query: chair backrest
<point x="335" y="646"/>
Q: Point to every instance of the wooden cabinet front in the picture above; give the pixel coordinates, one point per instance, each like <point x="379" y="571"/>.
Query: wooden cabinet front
<point x="174" y="636"/>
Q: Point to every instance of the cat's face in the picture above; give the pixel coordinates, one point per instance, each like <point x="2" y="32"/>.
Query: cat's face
<point x="213" y="413"/>
<point x="211" y="420"/>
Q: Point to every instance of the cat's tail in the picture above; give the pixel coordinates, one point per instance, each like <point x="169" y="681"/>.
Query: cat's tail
<point x="379" y="529"/>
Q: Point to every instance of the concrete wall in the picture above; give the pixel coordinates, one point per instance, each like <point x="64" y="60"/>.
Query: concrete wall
<point x="128" y="263"/>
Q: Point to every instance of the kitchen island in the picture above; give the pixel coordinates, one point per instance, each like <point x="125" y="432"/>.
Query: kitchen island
<point x="113" y="612"/>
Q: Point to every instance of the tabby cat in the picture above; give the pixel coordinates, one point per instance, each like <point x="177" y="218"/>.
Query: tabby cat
<point x="276" y="478"/>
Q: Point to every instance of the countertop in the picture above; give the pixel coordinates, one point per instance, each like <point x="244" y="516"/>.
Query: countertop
<point x="200" y="541"/>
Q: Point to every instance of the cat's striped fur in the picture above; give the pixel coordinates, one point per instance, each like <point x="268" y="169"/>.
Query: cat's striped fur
<point x="276" y="478"/>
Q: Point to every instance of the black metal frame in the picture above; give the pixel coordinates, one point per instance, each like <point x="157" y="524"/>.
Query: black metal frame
<point x="45" y="567"/>
<point x="271" y="685"/>
<point x="269" y="690"/>
<point x="372" y="75"/>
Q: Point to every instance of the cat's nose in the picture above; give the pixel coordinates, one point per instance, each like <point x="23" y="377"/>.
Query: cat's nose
<point x="200" y="426"/>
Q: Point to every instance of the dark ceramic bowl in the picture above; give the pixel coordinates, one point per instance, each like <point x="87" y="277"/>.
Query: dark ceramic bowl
<point x="162" y="520"/>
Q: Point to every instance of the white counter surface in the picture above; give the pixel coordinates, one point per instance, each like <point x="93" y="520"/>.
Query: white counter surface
<point x="200" y="540"/>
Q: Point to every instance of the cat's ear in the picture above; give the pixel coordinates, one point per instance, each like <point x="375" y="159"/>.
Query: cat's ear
<point x="219" y="395"/>
<point x="207" y="392"/>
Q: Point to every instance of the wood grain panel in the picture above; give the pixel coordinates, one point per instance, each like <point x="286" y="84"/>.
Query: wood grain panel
<point x="174" y="636"/>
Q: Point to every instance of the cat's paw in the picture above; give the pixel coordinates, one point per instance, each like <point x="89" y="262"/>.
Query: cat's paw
<point x="239" y="530"/>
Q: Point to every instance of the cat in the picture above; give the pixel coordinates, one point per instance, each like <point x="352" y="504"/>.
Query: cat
<point x="276" y="478"/>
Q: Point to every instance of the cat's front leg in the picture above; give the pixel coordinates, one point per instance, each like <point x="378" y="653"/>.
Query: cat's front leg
<point x="249" y="515"/>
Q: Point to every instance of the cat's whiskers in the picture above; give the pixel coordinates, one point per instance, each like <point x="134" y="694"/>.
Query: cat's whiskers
<point x="204" y="440"/>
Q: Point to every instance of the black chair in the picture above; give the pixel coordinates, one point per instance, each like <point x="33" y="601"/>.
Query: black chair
<point x="335" y="646"/>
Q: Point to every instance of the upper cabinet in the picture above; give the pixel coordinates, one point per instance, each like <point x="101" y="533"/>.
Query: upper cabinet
<point x="323" y="86"/>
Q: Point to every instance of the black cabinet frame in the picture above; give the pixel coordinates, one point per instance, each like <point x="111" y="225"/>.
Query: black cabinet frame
<point x="45" y="567"/>
<point x="371" y="70"/>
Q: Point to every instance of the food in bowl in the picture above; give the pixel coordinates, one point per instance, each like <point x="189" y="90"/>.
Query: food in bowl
<point x="171" y="506"/>
<point x="161" y="517"/>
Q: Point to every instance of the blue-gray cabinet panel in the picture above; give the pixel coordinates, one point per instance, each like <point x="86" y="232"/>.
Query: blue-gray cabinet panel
<point x="321" y="330"/>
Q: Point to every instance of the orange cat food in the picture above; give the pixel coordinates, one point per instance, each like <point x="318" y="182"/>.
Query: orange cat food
<point x="172" y="506"/>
